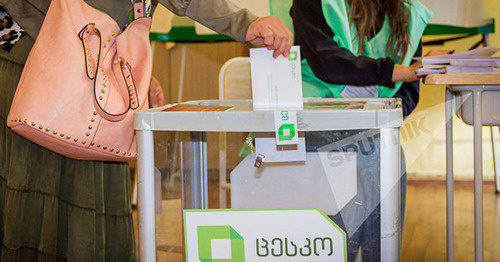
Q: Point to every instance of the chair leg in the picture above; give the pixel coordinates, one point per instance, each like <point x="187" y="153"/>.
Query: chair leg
<point x="222" y="171"/>
<point x="134" y="189"/>
<point x="486" y="40"/>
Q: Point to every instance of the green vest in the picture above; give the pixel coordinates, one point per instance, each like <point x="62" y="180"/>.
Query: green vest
<point x="336" y="13"/>
<point x="281" y="9"/>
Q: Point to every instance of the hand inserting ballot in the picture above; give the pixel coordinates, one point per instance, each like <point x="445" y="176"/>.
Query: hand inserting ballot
<point x="270" y="32"/>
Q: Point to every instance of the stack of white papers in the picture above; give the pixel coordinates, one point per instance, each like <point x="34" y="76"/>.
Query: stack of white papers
<point x="477" y="61"/>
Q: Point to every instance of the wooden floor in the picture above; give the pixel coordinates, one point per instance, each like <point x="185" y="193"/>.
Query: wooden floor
<point x="424" y="237"/>
<point x="424" y="234"/>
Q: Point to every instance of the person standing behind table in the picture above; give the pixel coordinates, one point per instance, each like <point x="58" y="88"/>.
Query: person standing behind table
<point x="55" y="208"/>
<point x="359" y="48"/>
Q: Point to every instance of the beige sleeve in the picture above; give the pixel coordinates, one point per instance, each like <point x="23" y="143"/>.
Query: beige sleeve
<point x="218" y="15"/>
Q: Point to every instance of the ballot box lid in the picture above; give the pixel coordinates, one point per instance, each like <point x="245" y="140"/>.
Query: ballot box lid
<point x="318" y="114"/>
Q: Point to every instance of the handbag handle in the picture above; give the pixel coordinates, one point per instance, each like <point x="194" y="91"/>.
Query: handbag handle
<point x="95" y="73"/>
<point x="90" y="63"/>
<point x="141" y="8"/>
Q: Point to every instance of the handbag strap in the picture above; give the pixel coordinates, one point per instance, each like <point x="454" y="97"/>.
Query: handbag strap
<point x="141" y="8"/>
<point x="90" y="62"/>
<point x="129" y="80"/>
<point x="99" y="77"/>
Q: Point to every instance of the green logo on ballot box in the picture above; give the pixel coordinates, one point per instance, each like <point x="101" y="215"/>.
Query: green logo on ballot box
<point x="269" y="235"/>
<point x="286" y="132"/>
<point x="220" y="243"/>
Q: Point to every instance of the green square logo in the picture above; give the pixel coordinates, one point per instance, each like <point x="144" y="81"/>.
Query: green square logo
<point x="292" y="56"/>
<point x="207" y="233"/>
<point x="288" y="135"/>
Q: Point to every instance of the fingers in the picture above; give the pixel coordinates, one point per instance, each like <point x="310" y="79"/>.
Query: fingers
<point x="160" y="98"/>
<point x="283" y="41"/>
<point x="416" y="65"/>
<point x="278" y="44"/>
<point x="270" y="32"/>
<point x="283" y="48"/>
<point x="268" y="37"/>
<point x="412" y="78"/>
<point x="155" y="93"/>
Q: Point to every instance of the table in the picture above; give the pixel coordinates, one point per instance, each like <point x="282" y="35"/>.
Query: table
<point x="384" y="115"/>
<point x="459" y="85"/>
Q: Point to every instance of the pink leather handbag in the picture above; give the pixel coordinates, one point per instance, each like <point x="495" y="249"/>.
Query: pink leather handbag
<point x="82" y="82"/>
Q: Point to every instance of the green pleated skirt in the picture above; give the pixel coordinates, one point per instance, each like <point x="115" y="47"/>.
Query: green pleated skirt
<point x="53" y="208"/>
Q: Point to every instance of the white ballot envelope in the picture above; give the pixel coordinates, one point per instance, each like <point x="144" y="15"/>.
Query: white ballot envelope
<point x="276" y="83"/>
<point x="277" y="86"/>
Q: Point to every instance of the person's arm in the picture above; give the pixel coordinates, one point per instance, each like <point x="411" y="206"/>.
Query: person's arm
<point x="226" y="18"/>
<point x="328" y="61"/>
<point x="218" y="15"/>
<point x="410" y="91"/>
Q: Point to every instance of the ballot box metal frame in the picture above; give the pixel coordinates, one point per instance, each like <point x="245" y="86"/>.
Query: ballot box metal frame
<point x="384" y="114"/>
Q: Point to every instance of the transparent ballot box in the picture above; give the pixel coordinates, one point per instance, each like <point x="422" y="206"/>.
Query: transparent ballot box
<point x="205" y="155"/>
